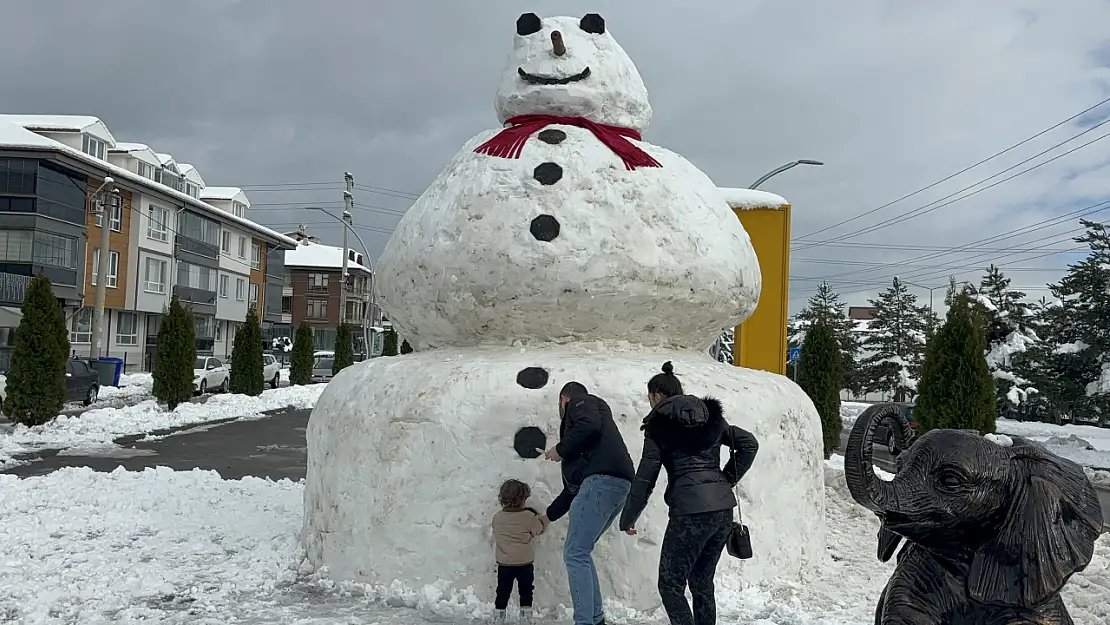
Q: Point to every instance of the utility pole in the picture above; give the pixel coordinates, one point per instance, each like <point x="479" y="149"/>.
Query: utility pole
<point x="348" y="204"/>
<point x="107" y="197"/>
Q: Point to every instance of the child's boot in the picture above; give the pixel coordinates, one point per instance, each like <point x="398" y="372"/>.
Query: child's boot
<point x="526" y="616"/>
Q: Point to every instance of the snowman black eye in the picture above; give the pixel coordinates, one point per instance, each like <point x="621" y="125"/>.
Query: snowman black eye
<point x="593" y="24"/>
<point x="527" y="24"/>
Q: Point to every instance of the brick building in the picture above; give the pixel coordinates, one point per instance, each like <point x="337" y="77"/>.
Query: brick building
<point x="313" y="290"/>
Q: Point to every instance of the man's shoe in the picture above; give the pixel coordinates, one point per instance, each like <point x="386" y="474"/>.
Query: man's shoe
<point x="499" y="617"/>
<point x="526" y="616"/>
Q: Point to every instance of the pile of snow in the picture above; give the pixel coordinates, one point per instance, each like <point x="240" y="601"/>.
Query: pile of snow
<point x="164" y="546"/>
<point x="850" y="410"/>
<point x="100" y="426"/>
<point x="1083" y="444"/>
<point x="132" y="386"/>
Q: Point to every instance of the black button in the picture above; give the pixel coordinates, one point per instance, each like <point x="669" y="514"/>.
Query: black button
<point x="548" y="173"/>
<point x="544" y="228"/>
<point x="554" y="136"/>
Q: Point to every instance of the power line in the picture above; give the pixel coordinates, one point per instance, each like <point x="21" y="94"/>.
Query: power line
<point x="924" y="210"/>
<point x="964" y="170"/>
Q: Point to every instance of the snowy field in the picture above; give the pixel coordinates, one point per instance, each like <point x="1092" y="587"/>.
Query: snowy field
<point x="93" y="431"/>
<point x="1083" y="444"/>
<point x="187" y="547"/>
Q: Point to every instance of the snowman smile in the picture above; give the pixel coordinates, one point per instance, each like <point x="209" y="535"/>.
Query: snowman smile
<point x="544" y="80"/>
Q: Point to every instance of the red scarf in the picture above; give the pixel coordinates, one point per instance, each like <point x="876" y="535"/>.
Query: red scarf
<point x="509" y="142"/>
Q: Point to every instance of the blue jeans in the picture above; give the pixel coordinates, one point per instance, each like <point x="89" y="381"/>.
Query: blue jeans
<point x="595" y="507"/>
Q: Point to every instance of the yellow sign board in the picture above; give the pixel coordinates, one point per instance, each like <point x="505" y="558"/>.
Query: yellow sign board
<point x="760" y="342"/>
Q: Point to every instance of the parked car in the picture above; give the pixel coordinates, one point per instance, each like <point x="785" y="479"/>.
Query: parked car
<point x="271" y="370"/>
<point x="82" y="383"/>
<point x="884" y="432"/>
<point x="210" y="373"/>
<point x="321" y="369"/>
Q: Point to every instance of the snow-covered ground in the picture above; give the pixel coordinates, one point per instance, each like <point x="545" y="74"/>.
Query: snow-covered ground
<point x="97" y="428"/>
<point x="160" y="546"/>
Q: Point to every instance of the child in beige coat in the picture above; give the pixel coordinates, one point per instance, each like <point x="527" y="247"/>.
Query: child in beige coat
<point x="514" y="527"/>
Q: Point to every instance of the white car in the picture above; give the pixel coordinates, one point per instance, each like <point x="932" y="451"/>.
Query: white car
<point x="271" y="370"/>
<point x="210" y="373"/>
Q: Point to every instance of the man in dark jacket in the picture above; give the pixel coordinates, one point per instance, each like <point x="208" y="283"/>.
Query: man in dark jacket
<point x="597" y="476"/>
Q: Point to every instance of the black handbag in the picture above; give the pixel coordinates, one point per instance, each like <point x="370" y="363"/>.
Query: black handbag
<point x="739" y="543"/>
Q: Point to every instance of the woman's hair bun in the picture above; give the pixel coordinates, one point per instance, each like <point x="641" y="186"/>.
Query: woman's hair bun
<point x="668" y="368"/>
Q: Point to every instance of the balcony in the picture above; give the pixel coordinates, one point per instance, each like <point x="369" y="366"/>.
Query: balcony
<point x="195" y="296"/>
<point x="192" y="246"/>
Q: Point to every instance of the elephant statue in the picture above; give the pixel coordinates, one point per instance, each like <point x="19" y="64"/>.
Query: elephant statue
<point x="992" y="531"/>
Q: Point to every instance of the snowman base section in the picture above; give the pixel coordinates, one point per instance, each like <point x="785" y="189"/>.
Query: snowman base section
<point x="405" y="456"/>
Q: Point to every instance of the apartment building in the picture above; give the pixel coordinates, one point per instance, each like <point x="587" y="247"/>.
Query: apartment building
<point x="166" y="237"/>
<point x="313" y="288"/>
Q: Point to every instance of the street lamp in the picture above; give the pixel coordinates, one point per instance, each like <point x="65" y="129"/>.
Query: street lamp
<point x="930" y="289"/>
<point x="778" y="170"/>
<point x="367" y="318"/>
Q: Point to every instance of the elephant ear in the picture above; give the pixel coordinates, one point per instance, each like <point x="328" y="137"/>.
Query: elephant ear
<point x="1048" y="533"/>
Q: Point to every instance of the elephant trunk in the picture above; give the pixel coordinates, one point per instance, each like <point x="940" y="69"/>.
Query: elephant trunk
<point x="859" y="472"/>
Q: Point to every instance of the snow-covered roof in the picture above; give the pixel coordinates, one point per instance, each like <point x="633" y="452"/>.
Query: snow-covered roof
<point x="65" y="123"/>
<point x="140" y="151"/>
<point x="319" y="256"/>
<point x="15" y="136"/>
<point x="224" y="193"/>
<point x="191" y="174"/>
<point x="747" y="199"/>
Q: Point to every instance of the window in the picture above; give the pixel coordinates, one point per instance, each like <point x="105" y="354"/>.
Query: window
<point x="127" y="329"/>
<point x="203" y="325"/>
<point x="113" y="268"/>
<point x="115" y="222"/>
<point x="254" y="295"/>
<point x="317" y="309"/>
<point x="15" y="245"/>
<point x="286" y="305"/>
<point x="54" y="251"/>
<point x="80" y="327"/>
<point x="225" y="242"/>
<point x="240" y="288"/>
<point x="239" y="209"/>
<point x="92" y="146"/>
<point x="157" y="229"/>
<point x="318" y="281"/>
<point x="192" y="190"/>
<point x="198" y="228"/>
<point x="146" y="170"/>
<point x="155" y="275"/>
<point x="220" y="326"/>
<point x="242" y="247"/>
<point x="224" y="280"/>
<point x="18" y="175"/>
<point x="256" y="257"/>
<point x="196" y="277"/>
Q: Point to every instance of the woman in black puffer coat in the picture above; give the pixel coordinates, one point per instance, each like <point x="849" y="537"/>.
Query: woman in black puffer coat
<point x="684" y="435"/>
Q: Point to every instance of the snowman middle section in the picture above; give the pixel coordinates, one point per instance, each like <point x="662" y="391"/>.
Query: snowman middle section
<point x="505" y="249"/>
<point x="405" y="456"/>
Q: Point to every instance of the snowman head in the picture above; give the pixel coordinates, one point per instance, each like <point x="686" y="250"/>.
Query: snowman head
<point x="571" y="67"/>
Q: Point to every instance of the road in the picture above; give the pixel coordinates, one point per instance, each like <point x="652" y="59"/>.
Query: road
<point x="273" y="448"/>
<point x="882" y="459"/>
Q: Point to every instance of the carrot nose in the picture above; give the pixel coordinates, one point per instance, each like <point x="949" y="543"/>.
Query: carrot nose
<point x="557" y="45"/>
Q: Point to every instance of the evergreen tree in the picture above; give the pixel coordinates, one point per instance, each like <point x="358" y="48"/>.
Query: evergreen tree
<point x="344" y="349"/>
<point x="405" y="348"/>
<point x="301" y="361"/>
<point x="896" y="342"/>
<point x="1007" y="319"/>
<point x="956" y="388"/>
<point x="389" y="343"/>
<point x="36" y="388"/>
<point x="821" y="376"/>
<point x="246" y="358"/>
<point x="176" y="355"/>
<point x="1067" y="366"/>
<point x="825" y="304"/>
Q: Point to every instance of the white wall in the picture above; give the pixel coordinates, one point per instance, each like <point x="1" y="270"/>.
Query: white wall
<point x="141" y="223"/>
<point x="231" y="261"/>
<point x="152" y="302"/>
<point x="231" y="308"/>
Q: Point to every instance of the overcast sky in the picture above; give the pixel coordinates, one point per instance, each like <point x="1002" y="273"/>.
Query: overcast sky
<point x="893" y="96"/>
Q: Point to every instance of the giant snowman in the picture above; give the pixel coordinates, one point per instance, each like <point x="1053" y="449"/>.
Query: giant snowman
<point x="553" y="249"/>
